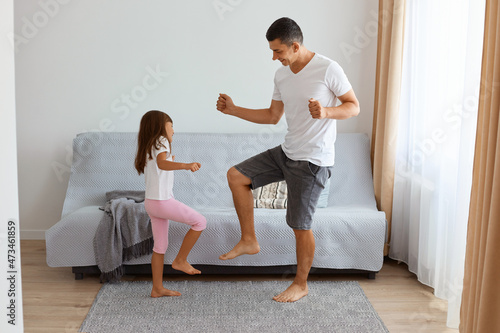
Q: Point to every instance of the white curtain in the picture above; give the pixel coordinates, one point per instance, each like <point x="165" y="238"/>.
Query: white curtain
<point x="436" y="137"/>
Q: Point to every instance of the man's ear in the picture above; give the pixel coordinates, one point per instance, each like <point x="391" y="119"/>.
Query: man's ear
<point x="296" y="47"/>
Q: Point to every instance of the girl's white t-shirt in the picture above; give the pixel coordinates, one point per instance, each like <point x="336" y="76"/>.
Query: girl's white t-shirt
<point x="309" y="139"/>
<point x="159" y="183"/>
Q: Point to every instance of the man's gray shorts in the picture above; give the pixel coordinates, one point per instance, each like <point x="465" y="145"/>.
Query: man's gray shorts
<point x="304" y="180"/>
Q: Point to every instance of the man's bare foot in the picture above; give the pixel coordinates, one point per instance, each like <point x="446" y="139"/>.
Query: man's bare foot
<point x="160" y="292"/>
<point x="292" y="293"/>
<point x="241" y="248"/>
<point x="184" y="266"/>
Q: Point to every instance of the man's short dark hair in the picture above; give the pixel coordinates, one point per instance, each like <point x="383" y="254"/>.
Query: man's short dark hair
<point x="287" y="30"/>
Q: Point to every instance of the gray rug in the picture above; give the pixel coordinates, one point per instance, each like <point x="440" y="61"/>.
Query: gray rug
<point x="243" y="306"/>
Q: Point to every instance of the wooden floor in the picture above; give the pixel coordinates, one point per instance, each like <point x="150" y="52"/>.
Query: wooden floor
<point x="53" y="301"/>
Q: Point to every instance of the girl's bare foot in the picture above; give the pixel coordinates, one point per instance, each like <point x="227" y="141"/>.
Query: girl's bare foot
<point x="251" y="247"/>
<point x="184" y="266"/>
<point x="292" y="293"/>
<point x="160" y="292"/>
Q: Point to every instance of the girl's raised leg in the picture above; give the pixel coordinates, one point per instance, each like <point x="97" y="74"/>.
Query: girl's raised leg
<point x="180" y="263"/>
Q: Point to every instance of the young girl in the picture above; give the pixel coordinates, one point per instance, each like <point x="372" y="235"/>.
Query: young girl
<point x="155" y="160"/>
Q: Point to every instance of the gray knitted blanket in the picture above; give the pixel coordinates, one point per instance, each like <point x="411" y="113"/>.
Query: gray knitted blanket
<point x="123" y="233"/>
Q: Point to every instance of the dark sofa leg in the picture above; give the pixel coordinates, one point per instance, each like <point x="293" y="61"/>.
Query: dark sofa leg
<point x="371" y="275"/>
<point x="78" y="276"/>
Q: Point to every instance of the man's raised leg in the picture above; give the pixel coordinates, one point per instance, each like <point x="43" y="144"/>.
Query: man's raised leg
<point x="243" y="203"/>
<point x="305" y="245"/>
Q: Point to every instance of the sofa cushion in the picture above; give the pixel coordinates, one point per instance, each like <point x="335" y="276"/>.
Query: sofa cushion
<point x="70" y="241"/>
<point x="104" y="162"/>
<point x="272" y="195"/>
<point x="275" y="196"/>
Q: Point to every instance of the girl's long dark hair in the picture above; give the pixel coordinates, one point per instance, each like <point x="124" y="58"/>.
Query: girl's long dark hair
<point x="152" y="127"/>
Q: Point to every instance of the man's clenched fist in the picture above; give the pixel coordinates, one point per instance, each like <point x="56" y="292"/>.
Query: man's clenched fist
<point x="316" y="110"/>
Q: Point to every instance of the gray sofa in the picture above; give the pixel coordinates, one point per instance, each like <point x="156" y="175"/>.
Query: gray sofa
<point x="350" y="232"/>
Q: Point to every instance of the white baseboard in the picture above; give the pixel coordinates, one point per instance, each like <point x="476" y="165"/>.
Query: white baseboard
<point x="32" y="234"/>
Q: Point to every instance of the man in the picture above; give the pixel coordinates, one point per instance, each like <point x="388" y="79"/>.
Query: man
<point x="307" y="89"/>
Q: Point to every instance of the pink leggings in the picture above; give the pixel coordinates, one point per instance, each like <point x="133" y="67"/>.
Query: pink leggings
<point x="161" y="211"/>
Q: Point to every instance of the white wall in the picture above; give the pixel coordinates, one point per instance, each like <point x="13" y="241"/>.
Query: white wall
<point x="10" y="267"/>
<point x="87" y="65"/>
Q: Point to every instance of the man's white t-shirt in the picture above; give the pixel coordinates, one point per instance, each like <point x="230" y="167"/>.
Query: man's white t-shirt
<point x="310" y="139"/>
<point x="159" y="183"/>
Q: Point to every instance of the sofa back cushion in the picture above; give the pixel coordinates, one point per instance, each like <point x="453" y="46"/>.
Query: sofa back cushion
<point x="104" y="162"/>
